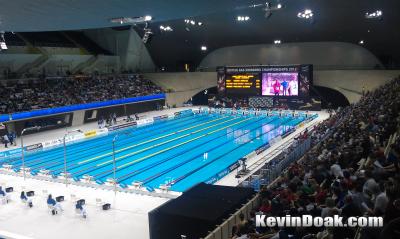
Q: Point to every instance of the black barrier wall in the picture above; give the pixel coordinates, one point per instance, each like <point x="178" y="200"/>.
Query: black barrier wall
<point x="65" y="120"/>
<point x="197" y="211"/>
<point x="123" y="110"/>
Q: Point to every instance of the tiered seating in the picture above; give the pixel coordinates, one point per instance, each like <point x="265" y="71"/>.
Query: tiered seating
<point x="354" y="171"/>
<point x="49" y="93"/>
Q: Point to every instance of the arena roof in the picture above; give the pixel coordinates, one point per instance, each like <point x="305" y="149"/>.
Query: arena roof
<point x="50" y="15"/>
<point x="339" y="20"/>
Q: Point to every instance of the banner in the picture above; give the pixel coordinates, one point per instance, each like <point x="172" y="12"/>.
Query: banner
<point x="34" y="147"/>
<point x="69" y="138"/>
<point x="71" y="108"/>
<point x="144" y="121"/>
<point x="223" y="173"/>
<point x="90" y="133"/>
<point x="121" y="126"/>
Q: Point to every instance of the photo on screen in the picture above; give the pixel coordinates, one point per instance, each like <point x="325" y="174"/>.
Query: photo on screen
<point x="280" y="84"/>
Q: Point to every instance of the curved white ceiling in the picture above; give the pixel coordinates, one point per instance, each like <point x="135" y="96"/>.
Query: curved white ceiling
<point x="320" y="54"/>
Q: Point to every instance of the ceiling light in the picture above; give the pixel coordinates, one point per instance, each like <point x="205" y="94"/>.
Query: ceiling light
<point x="166" y="28"/>
<point x="203" y="48"/>
<point x="243" y="18"/>
<point x="374" y="15"/>
<point x="306" y="14"/>
<point x="3" y="45"/>
<point x="193" y="22"/>
<point x="132" y="20"/>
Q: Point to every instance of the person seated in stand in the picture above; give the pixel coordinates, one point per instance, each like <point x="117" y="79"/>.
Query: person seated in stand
<point x="79" y="208"/>
<point x="25" y="199"/>
<point x="54" y="205"/>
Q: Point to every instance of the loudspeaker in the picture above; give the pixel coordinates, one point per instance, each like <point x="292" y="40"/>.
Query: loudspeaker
<point x="106" y="206"/>
<point x="60" y="198"/>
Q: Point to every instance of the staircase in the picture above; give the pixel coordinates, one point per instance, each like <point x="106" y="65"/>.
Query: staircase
<point x="38" y="62"/>
<point x="84" y="65"/>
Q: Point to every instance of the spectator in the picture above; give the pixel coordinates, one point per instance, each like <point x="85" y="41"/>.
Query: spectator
<point x="343" y="168"/>
<point x="61" y="91"/>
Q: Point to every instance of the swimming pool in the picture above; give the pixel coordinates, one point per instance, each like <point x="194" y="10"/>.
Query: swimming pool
<point x="177" y="153"/>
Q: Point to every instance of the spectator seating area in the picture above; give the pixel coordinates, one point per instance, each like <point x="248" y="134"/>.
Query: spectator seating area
<point x="352" y="170"/>
<point x="28" y="95"/>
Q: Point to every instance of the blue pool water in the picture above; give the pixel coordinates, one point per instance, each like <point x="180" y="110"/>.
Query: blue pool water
<point x="168" y="152"/>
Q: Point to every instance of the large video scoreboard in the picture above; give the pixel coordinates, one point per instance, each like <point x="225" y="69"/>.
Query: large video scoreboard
<point x="248" y="84"/>
<point x="277" y="81"/>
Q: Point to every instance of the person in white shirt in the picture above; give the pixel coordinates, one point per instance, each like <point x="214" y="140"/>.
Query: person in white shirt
<point x="336" y="170"/>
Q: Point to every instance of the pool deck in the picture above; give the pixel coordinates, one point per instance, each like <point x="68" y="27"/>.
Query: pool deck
<point x="127" y="218"/>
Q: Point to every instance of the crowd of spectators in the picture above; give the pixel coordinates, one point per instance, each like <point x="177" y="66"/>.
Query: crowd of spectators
<point x="352" y="171"/>
<point x="27" y="95"/>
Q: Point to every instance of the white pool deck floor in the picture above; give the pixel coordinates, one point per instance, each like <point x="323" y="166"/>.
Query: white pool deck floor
<point x="127" y="218"/>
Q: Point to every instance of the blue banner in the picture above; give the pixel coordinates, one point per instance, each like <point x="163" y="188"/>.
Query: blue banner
<point x="71" y="108"/>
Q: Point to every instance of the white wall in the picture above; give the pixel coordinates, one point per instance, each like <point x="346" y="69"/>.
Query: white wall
<point x="49" y="50"/>
<point x="61" y="63"/>
<point x="348" y="82"/>
<point x="183" y="84"/>
<point x="127" y="45"/>
<point x="321" y="54"/>
<point x="104" y="64"/>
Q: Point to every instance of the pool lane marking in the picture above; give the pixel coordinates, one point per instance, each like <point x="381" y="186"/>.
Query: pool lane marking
<point x="145" y="168"/>
<point x="217" y="158"/>
<point x="177" y="145"/>
<point x="172" y="147"/>
<point x="280" y="121"/>
<point x="148" y="141"/>
<point x="50" y="163"/>
<point x="165" y="142"/>
<point x="36" y="159"/>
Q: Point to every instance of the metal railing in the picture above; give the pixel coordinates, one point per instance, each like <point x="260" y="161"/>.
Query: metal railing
<point x="273" y="169"/>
